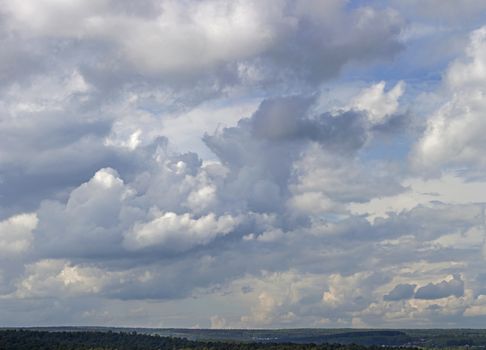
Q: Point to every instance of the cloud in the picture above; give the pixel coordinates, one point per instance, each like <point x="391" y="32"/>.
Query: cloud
<point x="16" y="233"/>
<point x="378" y="103"/>
<point x="284" y="143"/>
<point x="400" y="292"/>
<point x="218" y="322"/>
<point x="179" y="232"/>
<point x="443" y="289"/>
<point x="49" y="277"/>
<point x="453" y="136"/>
<point x="85" y="84"/>
<point x="290" y="119"/>
<point x="87" y="223"/>
<point x="258" y="40"/>
<point x="450" y="188"/>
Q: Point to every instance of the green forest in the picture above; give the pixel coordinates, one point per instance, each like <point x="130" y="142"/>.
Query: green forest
<point x="100" y="338"/>
<point x="88" y="340"/>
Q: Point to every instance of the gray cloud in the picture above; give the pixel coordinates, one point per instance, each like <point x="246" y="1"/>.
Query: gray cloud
<point x="262" y="42"/>
<point x="45" y="113"/>
<point x="442" y="289"/>
<point x="290" y="119"/>
<point x="400" y="292"/>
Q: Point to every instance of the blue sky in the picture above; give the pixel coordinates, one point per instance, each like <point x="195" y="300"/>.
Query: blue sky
<point x="242" y="164"/>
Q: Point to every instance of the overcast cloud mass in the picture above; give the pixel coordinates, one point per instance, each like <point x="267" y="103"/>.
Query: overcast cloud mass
<point x="243" y="163"/>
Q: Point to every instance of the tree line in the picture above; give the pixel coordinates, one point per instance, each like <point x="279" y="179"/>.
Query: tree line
<point x="92" y="340"/>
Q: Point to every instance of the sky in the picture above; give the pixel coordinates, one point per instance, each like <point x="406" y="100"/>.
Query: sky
<point x="243" y="164"/>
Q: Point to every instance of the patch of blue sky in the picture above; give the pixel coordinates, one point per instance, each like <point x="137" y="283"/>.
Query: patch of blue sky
<point x="390" y="149"/>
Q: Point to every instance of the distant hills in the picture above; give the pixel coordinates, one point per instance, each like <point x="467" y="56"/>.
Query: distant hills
<point x="424" y="338"/>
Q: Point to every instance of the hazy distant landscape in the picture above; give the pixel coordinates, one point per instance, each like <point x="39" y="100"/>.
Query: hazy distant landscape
<point x="75" y="338"/>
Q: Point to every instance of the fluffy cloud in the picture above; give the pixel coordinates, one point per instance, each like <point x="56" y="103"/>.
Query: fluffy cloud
<point x="378" y="103"/>
<point x="48" y="277"/>
<point x="85" y="84"/>
<point x="179" y="232"/>
<point x="16" y="233"/>
<point x="256" y="39"/>
<point x="86" y="223"/>
<point x="454" y="132"/>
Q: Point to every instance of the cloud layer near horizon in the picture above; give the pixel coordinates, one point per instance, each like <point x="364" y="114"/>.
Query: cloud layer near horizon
<point x="242" y="164"/>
